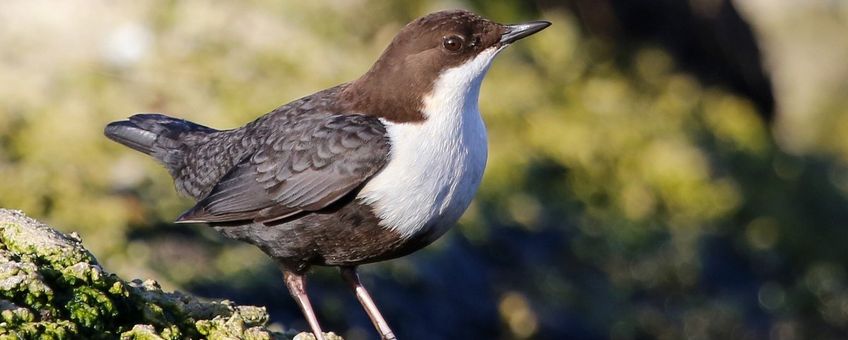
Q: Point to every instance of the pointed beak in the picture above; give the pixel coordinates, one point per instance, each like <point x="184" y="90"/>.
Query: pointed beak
<point x="515" y="32"/>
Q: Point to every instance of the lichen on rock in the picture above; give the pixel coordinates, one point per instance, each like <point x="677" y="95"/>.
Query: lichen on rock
<point x="51" y="287"/>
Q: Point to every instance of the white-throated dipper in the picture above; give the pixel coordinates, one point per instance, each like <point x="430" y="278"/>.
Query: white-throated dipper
<point x="365" y="171"/>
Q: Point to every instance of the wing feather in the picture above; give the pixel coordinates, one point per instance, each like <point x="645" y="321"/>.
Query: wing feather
<point x="314" y="164"/>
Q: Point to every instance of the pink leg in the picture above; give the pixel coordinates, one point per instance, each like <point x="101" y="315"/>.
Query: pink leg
<point x="350" y="276"/>
<point x="297" y="288"/>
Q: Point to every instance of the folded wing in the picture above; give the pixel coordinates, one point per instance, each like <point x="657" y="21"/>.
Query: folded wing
<point x="307" y="167"/>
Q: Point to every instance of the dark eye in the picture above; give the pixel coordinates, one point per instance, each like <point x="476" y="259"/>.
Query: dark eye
<point x="453" y="43"/>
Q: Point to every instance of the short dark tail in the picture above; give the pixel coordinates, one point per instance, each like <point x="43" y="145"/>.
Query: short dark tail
<point x="157" y="135"/>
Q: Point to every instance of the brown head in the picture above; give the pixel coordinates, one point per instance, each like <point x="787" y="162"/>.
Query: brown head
<point x="406" y="72"/>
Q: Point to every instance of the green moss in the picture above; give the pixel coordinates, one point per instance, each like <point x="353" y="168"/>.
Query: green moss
<point x="51" y="287"/>
<point x="142" y="332"/>
<point x="12" y="314"/>
<point x="91" y="308"/>
<point x="40" y="244"/>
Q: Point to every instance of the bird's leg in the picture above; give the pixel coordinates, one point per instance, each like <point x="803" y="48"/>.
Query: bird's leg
<point x="297" y="287"/>
<point x="350" y="276"/>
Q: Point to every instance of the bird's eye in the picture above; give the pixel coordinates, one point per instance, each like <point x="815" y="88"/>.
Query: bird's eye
<point x="453" y="43"/>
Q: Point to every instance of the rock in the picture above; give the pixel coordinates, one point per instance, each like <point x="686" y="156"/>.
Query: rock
<point x="310" y="336"/>
<point x="52" y="287"/>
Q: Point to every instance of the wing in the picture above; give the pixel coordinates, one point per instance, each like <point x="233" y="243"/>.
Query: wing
<point x="304" y="167"/>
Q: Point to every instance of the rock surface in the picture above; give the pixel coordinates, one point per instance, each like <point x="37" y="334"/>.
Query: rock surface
<point x="52" y="287"/>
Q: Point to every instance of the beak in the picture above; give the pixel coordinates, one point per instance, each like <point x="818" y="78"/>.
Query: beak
<point x="518" y="31"/>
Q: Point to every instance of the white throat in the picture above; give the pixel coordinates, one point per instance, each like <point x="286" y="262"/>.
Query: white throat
<point x="435" y="166"/>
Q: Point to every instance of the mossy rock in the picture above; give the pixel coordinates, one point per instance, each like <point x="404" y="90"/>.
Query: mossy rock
<point x="51" y="287"/>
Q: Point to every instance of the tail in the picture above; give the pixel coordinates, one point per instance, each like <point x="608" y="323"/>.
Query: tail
<point x="159" y="136"/>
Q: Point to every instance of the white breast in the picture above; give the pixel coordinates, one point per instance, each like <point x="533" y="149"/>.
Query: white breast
<point x="435" y="167"/>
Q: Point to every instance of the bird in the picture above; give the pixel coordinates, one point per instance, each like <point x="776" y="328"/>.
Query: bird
<point x="365" y="171"/>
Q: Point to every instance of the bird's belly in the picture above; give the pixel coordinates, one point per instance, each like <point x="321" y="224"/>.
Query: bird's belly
<point x="430" y="179"/>
<point x="347" y="235"/>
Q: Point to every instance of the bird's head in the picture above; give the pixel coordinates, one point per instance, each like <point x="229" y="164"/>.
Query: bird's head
<point x="449" y="49"/>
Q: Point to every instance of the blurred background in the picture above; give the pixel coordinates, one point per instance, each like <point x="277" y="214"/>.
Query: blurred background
<point x="659" y="169"/>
